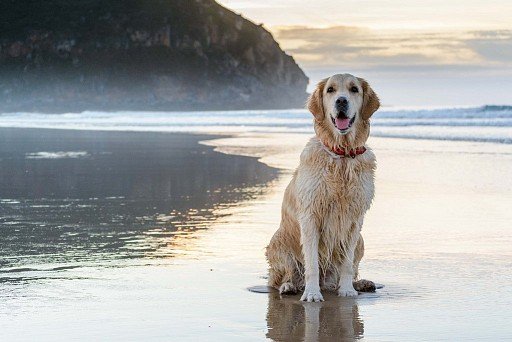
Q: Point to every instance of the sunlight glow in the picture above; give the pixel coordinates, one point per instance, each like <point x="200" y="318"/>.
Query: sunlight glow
<point x="393" y="14"/>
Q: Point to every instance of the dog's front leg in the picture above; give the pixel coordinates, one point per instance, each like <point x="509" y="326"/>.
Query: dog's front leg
<point x="345" y="287"/>
<point x="309" y="236"/>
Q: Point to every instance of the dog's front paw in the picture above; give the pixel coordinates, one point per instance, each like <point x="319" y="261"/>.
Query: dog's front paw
<point x="347" y="292"/>
<point x="312" y="295"/>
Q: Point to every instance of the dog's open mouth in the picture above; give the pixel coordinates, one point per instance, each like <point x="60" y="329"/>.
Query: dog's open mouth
<point x="342" y="124"/>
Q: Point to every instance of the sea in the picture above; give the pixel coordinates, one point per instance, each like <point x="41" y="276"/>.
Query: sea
<point x="488" y="123"/>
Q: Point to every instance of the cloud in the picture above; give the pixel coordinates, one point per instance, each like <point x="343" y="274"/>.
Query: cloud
<point x="357" y="47"/>
<point x="493" y="46"/>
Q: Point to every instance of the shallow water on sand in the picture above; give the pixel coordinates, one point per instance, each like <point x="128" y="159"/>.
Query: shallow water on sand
<point x="437" y="236"/>
<point x="91" y="196"/>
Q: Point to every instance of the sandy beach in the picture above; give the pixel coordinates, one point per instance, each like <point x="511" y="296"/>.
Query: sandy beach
<point x="146" y="148"/>
<point x="159" y="236"/>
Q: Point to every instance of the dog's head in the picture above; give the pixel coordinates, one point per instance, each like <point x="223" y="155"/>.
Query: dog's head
<point x="342" y="106"/>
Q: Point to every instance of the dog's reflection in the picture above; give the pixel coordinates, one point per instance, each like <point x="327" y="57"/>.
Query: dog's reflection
<point x="336" y="319"/>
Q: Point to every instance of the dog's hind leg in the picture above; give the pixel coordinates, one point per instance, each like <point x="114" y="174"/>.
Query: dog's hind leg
<point x="282" y="281"/>
<point x="288" y="274"/>
<point x="287" y="287"/>
<point x="347" y="270"/>
<point x="283" y="270"/>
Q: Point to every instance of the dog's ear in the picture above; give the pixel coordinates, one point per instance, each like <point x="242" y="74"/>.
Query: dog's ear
<point x="370" y="100"/>
<point x="315" y="102"/>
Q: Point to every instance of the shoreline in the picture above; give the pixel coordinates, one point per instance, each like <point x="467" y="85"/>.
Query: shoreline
<point x="102" y="196"/>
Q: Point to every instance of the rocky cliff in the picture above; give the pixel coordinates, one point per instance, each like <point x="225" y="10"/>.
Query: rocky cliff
<point x="61" y="55"/>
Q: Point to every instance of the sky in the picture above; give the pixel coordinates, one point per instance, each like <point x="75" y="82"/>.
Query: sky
<point x="414" y="53"/>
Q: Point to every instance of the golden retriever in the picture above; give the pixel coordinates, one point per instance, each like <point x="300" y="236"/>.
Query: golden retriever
<point x="318" y="244"/>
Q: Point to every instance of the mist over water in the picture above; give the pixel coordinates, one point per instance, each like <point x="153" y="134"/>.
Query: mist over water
<point x="486" y="123"/>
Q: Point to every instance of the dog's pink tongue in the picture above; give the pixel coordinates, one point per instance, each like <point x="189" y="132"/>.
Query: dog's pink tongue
<point x="342" y="123"/>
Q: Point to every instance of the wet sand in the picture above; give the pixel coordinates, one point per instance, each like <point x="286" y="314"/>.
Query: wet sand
<point x="79" y="196"/>
<point x="437" y="236"/>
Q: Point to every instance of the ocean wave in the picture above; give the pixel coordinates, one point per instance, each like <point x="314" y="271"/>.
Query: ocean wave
<point x="492" y="123"/>
<point x="496" y="108"/>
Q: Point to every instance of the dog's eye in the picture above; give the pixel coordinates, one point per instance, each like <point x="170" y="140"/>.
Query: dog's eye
<point x="354" y="89"/>
<point x="330" y="89"/>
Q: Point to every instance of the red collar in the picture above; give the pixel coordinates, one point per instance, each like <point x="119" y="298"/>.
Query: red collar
<point x="346" y="152"/>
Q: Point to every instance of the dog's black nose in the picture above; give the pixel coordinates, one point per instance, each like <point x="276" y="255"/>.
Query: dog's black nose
<point x="342" y="101"/>
<point x="341" y="105"/>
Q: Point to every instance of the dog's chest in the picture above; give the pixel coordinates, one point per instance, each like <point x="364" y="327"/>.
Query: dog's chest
<point x="347" y="185"/>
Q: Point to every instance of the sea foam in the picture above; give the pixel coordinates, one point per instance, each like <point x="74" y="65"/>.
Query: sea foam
<point x="491" y="123"/>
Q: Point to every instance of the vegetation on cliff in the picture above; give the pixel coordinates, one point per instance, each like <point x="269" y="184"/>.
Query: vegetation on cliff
<point x="60" y="55"/>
